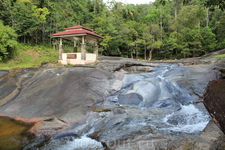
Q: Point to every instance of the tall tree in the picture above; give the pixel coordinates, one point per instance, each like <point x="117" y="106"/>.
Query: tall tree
<point x="209" y="43"/>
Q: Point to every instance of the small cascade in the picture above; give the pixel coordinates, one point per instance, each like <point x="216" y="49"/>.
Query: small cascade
<point x="82" y="143"/>
<point x="188" y="119"/>
<point x="159" y="90"/>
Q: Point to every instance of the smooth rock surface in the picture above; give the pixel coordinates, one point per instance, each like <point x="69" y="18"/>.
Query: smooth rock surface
<point x="108" y="107"/>
<point x="62" y="93"/>
<point x="214" y="101"/>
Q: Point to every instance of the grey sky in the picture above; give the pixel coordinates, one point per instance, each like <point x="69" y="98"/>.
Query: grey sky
<point x="133" y="1"/>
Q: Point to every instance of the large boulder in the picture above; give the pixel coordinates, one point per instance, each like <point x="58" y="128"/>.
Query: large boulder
<point x="214" y="97"/>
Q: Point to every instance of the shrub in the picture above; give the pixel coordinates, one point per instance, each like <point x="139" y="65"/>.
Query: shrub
<point x="8" y="42"/>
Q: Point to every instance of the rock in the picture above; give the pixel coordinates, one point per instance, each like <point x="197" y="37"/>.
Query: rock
<point x="113" y="64"/>
<point x="99" y="108"/>
<point x="214" y="102"/>
<point x="63" y="93"/>
<point x="3" y="73"/>
<point x="48" y="127"/>
<point x="131" y="99"/>
<point x="118" y="111"/>
<point x="106" y="107"/>
<point x="138" y="69"/>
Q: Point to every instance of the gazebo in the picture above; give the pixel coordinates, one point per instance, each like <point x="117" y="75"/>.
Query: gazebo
<point x="74" y="34"/>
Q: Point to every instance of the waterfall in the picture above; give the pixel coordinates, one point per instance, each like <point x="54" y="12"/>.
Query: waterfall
<point x="149" y="104"/>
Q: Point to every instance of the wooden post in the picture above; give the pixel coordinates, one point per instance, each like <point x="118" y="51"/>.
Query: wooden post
<point x="60" y="49"/>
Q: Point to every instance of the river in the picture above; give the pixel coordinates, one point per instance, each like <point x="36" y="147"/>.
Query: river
<point x="150" y="105"/>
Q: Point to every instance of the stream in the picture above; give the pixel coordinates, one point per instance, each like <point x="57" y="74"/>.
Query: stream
<point x="150" y="105"/>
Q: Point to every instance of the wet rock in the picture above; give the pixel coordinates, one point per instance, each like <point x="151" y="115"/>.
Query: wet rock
<point x="166" y="104"/>
<point x="99" y="108"/>
<point x="131" y="99"/>
<point x="118" y="111"/>
<point x="107" y="107"/>
<point x="138" y="69"/>
<point x="70" y="136"/>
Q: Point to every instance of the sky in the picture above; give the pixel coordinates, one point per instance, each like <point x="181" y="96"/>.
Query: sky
<point x="133" y="1"/>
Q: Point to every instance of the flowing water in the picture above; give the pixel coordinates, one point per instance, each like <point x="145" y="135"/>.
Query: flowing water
<point x="150" y="103"/>
<point x="13" y="134"/>
<point x="160" y="89"/>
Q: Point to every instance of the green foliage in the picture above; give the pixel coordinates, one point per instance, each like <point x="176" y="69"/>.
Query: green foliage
<point x="220" y="56"/>
<point x="209" y="43"/>
<point x="213" y="3"/>
<point x="220" y="32"/>
<point x="8" y="42"/>
<point x="40" y="13"/>
<point x="171" y="30"/>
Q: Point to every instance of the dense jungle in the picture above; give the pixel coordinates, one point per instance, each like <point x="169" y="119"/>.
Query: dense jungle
<point x="159" y="30"/>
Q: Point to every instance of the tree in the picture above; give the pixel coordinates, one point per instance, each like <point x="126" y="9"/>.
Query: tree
<point x="129" y="30"/>
<point x="209" y="42"/>
<point x="208" y="3"/>
<point x="221" y="32"/>
<point x="8" y="42"/>
<point x="213" y="3"/>
<point x="6" y="13"/>
<point x="183" y="42"/>
<point x="195" y="41"/>
<point x="171" y="44"/>
<point x="146" y="40"/>
<point x="155" y="41"/>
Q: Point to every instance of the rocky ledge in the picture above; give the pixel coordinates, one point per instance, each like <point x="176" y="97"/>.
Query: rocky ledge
<point x="67" y="103"/>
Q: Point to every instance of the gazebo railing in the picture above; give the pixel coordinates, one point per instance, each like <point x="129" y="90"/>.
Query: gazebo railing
<point x="75" y="58"/>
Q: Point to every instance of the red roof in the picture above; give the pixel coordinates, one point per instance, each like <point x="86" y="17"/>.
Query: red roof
<point x="78" y="27"/>
<point x="76" y="30"/>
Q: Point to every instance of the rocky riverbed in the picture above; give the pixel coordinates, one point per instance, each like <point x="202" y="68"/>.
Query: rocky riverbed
<point x="116" y="103"/>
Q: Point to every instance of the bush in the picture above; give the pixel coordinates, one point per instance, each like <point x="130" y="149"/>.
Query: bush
<point x="8" y="42"/>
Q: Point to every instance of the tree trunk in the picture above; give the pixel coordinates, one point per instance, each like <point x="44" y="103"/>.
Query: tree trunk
<point x="150" y="54"/>
<point x="199" y="22"/>
<point x="145" y="52"/>
<point x="207" y="17"/>
<point x="36" y="37"/>
<point x="161" y="22"/>
<point x="50" y="30"/>
<point x="194" y="51"/>
<point x="136" y="52"/>
<point x="175" y="10"/>
<point x="131" y="53"/>
<point x="24" y="39"/>
<point x="43" y="34"/>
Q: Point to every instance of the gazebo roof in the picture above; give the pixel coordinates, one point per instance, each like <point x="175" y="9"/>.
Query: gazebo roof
<point x="77" y="31"/>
